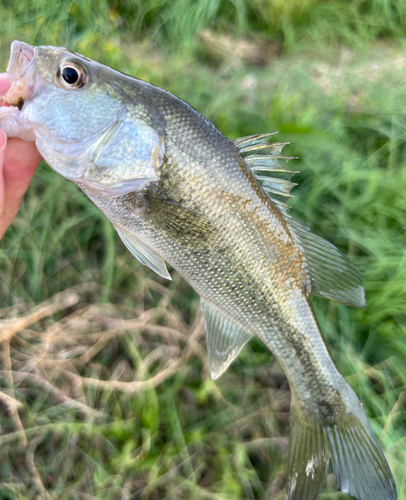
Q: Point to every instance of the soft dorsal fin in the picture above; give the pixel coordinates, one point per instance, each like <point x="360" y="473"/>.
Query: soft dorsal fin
<point x="142" y="252"/>
<point x="224" y="340"/>
<point x="331" y="273"/>
<point x="268" y="164"/>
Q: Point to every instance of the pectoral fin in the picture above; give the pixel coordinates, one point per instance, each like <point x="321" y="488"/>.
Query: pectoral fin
<point x="180" y="222"/>
<point x="224" y="341"/>
<point x="142" y="252"/>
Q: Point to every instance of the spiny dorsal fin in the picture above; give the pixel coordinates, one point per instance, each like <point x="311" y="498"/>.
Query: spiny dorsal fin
<point x="224" y="341"/>
<point x="142" y="252"/>
<point x="267" y="163"/>
<point x="252" y="140"/>
<point x="331" y="273"/>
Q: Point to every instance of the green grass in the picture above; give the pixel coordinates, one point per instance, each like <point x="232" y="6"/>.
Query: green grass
<point x="338" y="94"/>
<point x="174" y="25"/>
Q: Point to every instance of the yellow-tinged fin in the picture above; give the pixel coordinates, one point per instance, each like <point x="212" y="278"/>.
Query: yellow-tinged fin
<point x="308" y="458"/>
<point x="268" y="164"/>
<point x="224" y="340"/>
<point x="142" y="252"/>
<point x="331" y="273"/>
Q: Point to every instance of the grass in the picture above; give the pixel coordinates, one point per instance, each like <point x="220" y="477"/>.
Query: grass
<point x="79" y="310"/>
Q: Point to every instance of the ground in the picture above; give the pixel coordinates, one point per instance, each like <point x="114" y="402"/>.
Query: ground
<point x="105" y="385"/>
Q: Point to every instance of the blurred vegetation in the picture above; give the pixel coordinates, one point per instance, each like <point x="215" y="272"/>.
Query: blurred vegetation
<point x="174" y="24"/>
<point x="80" y="418"/>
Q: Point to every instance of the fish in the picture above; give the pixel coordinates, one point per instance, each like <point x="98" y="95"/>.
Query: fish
<point x="178" y="191"/>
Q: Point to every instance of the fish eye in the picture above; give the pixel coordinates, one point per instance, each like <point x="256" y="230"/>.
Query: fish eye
<point x="72" y="75"/>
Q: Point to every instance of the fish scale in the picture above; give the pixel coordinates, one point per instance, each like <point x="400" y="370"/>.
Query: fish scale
<point x="214" y="277"/>
<point x="178" y="191"/>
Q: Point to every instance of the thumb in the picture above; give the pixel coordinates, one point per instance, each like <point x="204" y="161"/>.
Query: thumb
<point x="3" y="145"/>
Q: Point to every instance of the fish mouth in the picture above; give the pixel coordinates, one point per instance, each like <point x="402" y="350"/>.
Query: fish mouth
<point x="21" y="59"/>
<point x="22" y="54"/>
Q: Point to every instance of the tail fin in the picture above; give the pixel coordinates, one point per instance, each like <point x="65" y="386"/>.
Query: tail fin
<point x="308" y="458"/>
<point x="359" y="465"/>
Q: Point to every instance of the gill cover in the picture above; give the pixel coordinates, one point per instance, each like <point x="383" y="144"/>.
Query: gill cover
<point x="84" y="125"/>
<point x="125" y="157"/>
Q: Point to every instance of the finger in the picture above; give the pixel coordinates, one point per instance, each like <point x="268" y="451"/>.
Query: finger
<point x="4" y="83"/>
<point x="3" y="143"/>
<point x="20" y="162"/>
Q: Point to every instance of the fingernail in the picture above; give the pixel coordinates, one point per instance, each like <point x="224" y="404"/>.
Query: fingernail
<point x="3" y="145"/>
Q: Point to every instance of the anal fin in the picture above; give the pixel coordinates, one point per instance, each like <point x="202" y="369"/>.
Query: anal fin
<point x="224" y="340"/>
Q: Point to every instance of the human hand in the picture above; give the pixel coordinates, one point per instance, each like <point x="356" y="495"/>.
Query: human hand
<point x="18" y="161"/>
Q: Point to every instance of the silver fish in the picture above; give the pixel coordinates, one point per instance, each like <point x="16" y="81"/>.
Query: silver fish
<point x="179" y="191"/>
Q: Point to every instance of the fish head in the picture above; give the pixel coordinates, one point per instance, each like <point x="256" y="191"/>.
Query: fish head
<point x="86" y="126"/>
